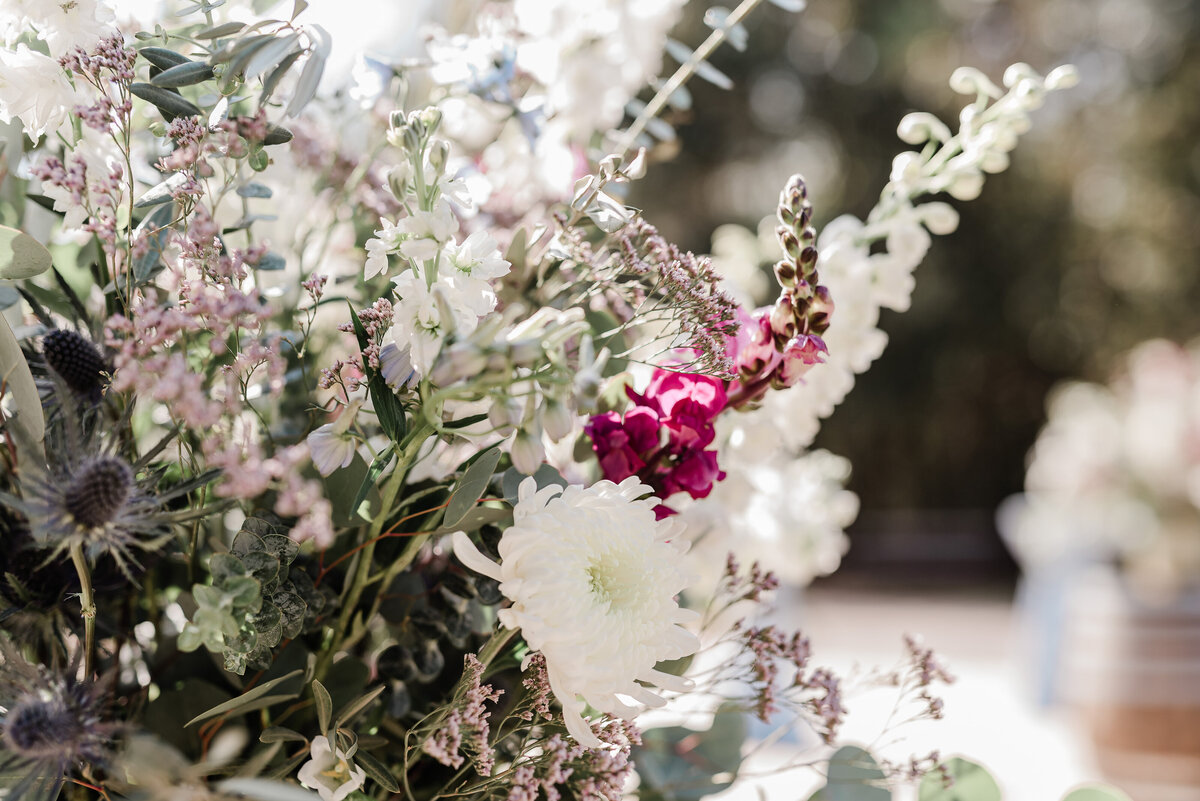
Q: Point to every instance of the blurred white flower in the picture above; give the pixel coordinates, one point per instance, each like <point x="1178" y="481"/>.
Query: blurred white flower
<point x="592" y="577"/>
<point x="34" y="89"/>
<point x="425" y="231"/>
<point x="330" y="772"/>
<point x="332" y="446"/>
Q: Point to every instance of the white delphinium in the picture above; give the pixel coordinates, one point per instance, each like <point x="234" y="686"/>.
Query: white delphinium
<point x="35" y="90"/>
<point x="592" y="577"/>
<point x="331" y="771"/>
<point x="424" y="317"/>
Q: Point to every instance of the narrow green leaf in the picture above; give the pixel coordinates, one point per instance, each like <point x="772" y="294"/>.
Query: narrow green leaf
<point x="310" y="78"/>
<point x="218" y="31"/>
<point x="267" y="57"/>
<point x="161" y="192"/>
<point x="377" y="771"/>
<point x="324" y="706"/>
<point x="246" y="698"/>
<point x="21" y="256"/>
<point x="187" y="74"/>
<point x="277" y="135"/>
<point x="350" y="710"/>
<point x="281" y="734"/>
<point x="471" y="487"/>
<point x="463" y="422"/>
<point x="378" y="465"/>
<point x="166" y="101"/>
<point x="163" y="58"/>
<point x="276" y="75"/>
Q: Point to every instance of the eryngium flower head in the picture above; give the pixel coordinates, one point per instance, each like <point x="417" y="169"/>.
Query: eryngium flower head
<point x="76" y="361"/>
<point x="592" y="577"/>
<point x="99" y="502"/>
<point x="52" y="724"/>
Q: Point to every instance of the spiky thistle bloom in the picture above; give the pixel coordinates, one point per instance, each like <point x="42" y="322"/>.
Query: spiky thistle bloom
<point x="52" y="725"/>
<point x="89" y="495"/>
<point x="77" y="362"/>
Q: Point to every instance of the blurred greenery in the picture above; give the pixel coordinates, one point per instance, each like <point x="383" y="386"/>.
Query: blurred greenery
<point x="1084" y="247"/>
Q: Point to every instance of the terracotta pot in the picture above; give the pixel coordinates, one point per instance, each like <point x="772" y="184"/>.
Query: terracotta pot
<point x="1132" y="671"/>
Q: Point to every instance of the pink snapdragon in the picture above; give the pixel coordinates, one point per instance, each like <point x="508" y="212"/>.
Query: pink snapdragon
<point x="768" y="354"/>
<point x="662" y="439"/>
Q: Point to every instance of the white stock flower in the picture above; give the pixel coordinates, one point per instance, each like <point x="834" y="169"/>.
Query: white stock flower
<point x="424" y="316"/>
<point x="377" y="258"/>
<point x="592" y="577"/>
<point x="469" y="269"/>
<point x="426" y="231"/>
<point x="330" y="772"/>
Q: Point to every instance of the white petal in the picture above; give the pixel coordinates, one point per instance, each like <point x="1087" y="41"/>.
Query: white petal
<point x="470" y="556"/>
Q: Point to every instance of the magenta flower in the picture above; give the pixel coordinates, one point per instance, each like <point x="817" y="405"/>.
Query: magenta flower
<point x="662" y="439"/>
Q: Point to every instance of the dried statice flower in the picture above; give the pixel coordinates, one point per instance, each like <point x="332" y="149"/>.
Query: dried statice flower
<point x="53" y="725"/>
<point x="687" y="287"/>
<point x="466" y="727"/>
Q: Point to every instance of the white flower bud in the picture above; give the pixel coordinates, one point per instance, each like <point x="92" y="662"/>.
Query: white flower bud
<point x="461" y="360"/>
<point x="527" y="451"/>
<point x="970" y="81"/>
<point x="1016" y="73"/>
<point x="993" y="161"/>
<point x="906" y="166"/>
<point x="505" y="414"/>
<point x="920" y="126"/>
<point x="556" y="419"/>
<point x="1063" y="77"/>
<point x="940" y="218"/>
<point x="966" y="185"/>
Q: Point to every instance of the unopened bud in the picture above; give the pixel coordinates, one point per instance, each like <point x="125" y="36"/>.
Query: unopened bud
<point x="556" y="419"/>
<point x="461" y="360"/>
<point x="505" y="414"/>
<point x="527" y="451"/>
<point x="438" y="152"/>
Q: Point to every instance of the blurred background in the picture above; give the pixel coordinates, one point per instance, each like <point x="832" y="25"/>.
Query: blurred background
<point x="1085" y="247"/>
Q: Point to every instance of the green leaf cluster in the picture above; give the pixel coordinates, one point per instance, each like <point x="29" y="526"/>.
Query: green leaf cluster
<point x="256" y="599"/>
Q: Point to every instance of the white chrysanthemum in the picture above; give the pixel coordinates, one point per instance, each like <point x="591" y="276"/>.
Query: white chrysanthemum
<point x="592" y="577"/>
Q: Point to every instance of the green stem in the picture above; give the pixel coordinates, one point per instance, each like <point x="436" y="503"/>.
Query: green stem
<point x="88" y="606"/>
<point x="407" y="455"/>
<point x="683" y="74"/>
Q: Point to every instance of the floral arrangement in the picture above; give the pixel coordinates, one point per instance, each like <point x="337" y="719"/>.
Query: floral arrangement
<point x="1113" y="476"/>
<point x="355" y="441"/>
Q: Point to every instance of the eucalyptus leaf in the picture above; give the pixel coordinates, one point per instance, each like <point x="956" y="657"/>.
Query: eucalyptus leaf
<point x="471" y="487"/>
<point x="246" y="698"/>
<point x="1096" y="793"/>
<point x="854" y="775"/>
<point x="368" y="485"/>
<point x="161" y="192"/>
<point x="969" y="782"/>
<point x="145" y="264"/>
<point x="253" y="189"/>
<point x="271" y="262"/>
<point x="21" y="256"/>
